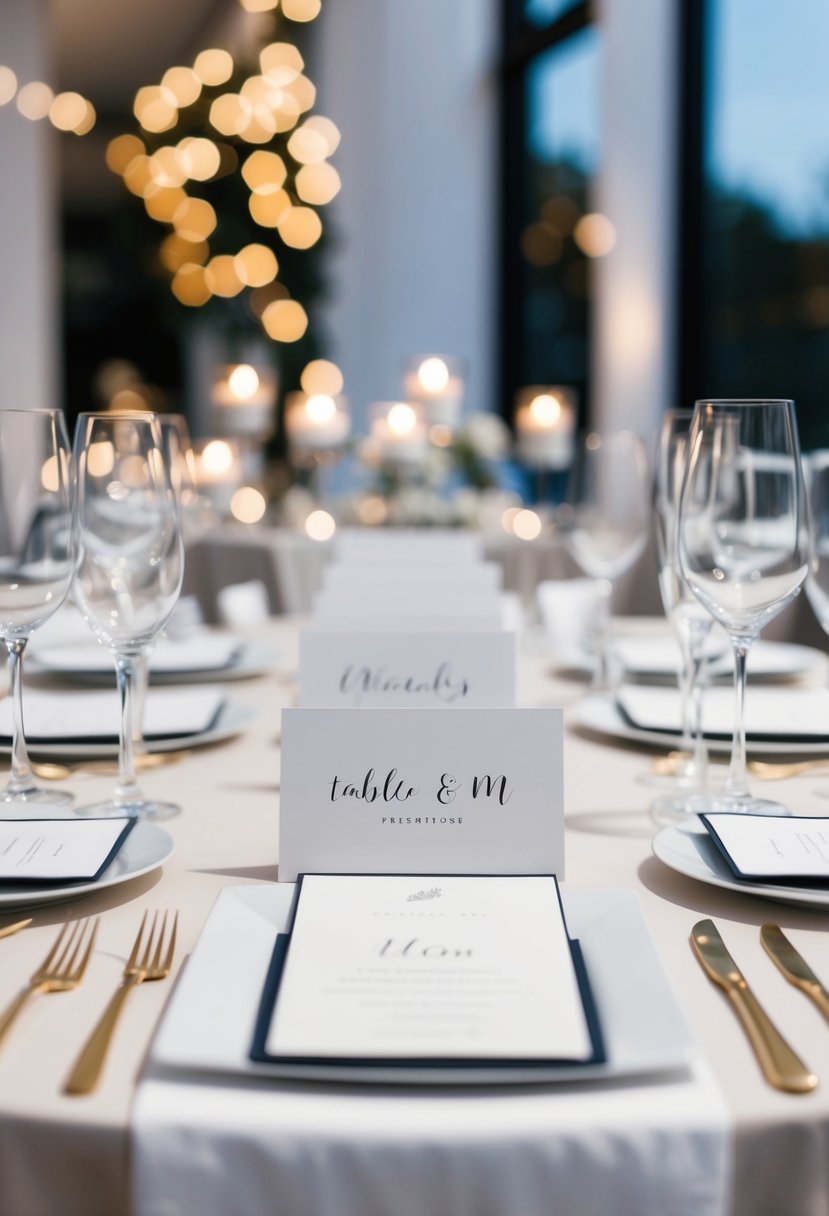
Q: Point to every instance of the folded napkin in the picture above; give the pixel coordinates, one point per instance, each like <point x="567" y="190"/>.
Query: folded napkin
<point x="202" y="652"/>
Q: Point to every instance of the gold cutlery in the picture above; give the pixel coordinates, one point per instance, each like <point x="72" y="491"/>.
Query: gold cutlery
<point x="149" y="960"/>
<point x="15" y="927"/>
<point x="145" y="761"/>
<point x="795" y="968"/>
<point x="61" y="970"/>
<point x="776" y="772"/>
<point x="781" y="1067"/>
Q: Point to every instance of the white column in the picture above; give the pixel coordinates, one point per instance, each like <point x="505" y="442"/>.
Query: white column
<point x="28" y="222"/>
<point x="413" y="89"/>
<point x="633" y="340"/>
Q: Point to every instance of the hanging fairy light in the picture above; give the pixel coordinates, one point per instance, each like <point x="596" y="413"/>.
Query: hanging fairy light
<point x="215" y="118"/>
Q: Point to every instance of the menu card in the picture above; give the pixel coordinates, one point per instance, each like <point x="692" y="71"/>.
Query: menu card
<point x="59" y="850"/>
<point x="779" y="847"/>
<point x="92" y="717"/>
<point x="427" y="969"/>
<point x="771" y="713"/>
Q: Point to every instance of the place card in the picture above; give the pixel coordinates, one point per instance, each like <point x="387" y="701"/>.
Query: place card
<point x="425" y="600"/>
<point x="438" y="546"/>
<point x="399" y="620"/>
<point x="95" y="716"/>
<point x="398" y="670"/>
<point x="412" y="791"/>
<point x="427" y="969"/>
<point x="480" y="578"/>
<point x="59" y="850"/>
<point x="779" y="847"/>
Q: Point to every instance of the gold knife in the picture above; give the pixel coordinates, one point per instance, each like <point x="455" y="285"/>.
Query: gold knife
<point x="795" y="968"/>
<point x="781" y="1067"/>
<point x="8" y="930"/>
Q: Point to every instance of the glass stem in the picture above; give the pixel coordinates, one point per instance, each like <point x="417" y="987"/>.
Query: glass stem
<point x="736" y="785"/>
<point x="127" y="789"/>
<point x="21" y="772"/>
<point x="602" y="676"/>
<point x="700" y="751"/>
<point x="685" y="677"/>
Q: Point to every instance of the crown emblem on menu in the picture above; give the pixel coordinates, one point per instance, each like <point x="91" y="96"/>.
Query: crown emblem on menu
<point x="432" y="893"/>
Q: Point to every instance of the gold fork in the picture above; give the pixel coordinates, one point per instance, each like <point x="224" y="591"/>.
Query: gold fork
<point x="149" y="960"/>
<point x="61" y="970"/>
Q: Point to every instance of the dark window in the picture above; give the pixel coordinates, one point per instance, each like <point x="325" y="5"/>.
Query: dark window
<point x="550" y="144"/>
<point x="756" y="237"/>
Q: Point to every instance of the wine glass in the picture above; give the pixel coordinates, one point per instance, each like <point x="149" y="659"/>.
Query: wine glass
<point x="743" y="540"/>
<point x="690" y="621"/>
<point x="816" y="473"/>
<point x="130" y="564"/>
<point x="607" y="514"/>
<point x="37" y="562"/>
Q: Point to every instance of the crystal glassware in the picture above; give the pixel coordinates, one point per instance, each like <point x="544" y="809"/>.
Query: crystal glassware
<point x="37" y="562"/>
<point x="743" y="541"/>
<point x="130" y="564"/>
<point x="606" y="520"/>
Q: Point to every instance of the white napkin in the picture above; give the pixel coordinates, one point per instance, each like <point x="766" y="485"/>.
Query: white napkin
<point x="202" y="652"/>
<point x="216" y="1148"/>
<point x="77" y="716"/>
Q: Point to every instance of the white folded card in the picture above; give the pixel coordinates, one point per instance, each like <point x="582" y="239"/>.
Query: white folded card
<point x="59" y="850"/>
<point x="412" y="791"/>
<point x="771" y="713"/>
<point x="427" y="968"/>
<point x="356" y="620"/>
<point x="399" y="670"/>
<point x="414" y="601"/>
<point x="438" y="545"/>
<point x="412" y="576"/>
<point x="772" y="846"/>
<point x="200" y="652"/>
<point x="168" y="712"/>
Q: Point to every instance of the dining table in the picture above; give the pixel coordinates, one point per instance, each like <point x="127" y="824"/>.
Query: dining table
<point x="68" y="1155"/>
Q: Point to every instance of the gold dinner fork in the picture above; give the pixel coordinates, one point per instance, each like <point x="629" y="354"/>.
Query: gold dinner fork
<point x="61" y="970"/>
<point x="150" y="960"/>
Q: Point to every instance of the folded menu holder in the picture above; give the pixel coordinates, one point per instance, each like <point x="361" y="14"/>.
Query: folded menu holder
<point x="789" y="850"/>
<point x="59" y="851"/>
<point x="428" y="978"/>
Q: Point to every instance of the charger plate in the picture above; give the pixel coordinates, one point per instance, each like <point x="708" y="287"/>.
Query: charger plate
<point x="209" y="1022"/>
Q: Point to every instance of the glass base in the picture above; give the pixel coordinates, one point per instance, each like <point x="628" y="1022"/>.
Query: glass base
<point x="24" y="804"/>
<point x="671" y="812"/>
<point x="146" y="808"/>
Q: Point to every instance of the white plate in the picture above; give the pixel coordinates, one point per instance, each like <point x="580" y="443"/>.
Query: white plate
<point x="231" y="720"/>
<point x="253" y="659"/>
<point x="209" y="1021"/>
<point x="146" y="848"/>
<point x="600" y="714"/>
<point x="691" y="851"/>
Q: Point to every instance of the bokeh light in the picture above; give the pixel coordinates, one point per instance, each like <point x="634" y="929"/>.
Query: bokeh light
<point x="285" y="320"/>
<point x="321" y="376"/>
<point x="320" y="525"/>
<point x="248" y="505"/>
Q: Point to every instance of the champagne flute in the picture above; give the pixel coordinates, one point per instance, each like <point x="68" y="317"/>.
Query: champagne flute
<point x="743" y="540"/>
<point x="607" y="515"/>
<point x="37" y="563"/>
<point x="130" y="564"/>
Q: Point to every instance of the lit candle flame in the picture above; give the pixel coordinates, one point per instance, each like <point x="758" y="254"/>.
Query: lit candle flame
<point x="402" y="419"/>
<point x="433" y="375"/>
<point x="243" y="381"/>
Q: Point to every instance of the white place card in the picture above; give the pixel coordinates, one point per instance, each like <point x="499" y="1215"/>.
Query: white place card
<point x="417" y="601"/>
<point x="59" y="850"/>
<point x="772" y="846"/>
<point x="400" y="670"/>
<point x="80" y="716"/>
<point x="382" y="967"/>
<point x="438" y="545"/>
<point x="482" y="577"/>
<point x="403" y="621"/>
<point x="412" y="791"/>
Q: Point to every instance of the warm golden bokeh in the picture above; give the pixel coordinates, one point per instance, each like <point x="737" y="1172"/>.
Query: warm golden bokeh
<point x="307" y="146"/>
<point x="122" y="150"/>
<point x="281" y="61"/>
<point x="195" y="219"/>
<point x="229" y="113"/>
<point x="301" y="10"/>
<point x="321" y="376"/>
<point x="162" y="203"/>
<point x="264" y="172"/>
<point x="256" y="265"/>
<point x="189" y="285"/>
<point x="34" y="100"/>
<point x="221" y="277"/>
<point x="199" y="158"/>
<point x="268" y="209"/>
<point x="183" y="83"/>
<point x="317" y="184"/>
<point x="213" y="66"/>
<point x="285" y="320"/>
<point x="329" y="131"/>
<point x="67" y="111"/>
<point x="8" y="84"/>
<point x="155" y="108"/>
<point x="300" y="227"/>
<point x="175" y="251"/>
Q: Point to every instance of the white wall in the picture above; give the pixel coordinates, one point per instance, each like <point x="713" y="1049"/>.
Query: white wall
<point x="28" y="223"/>
<point x="412" y="87"/>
